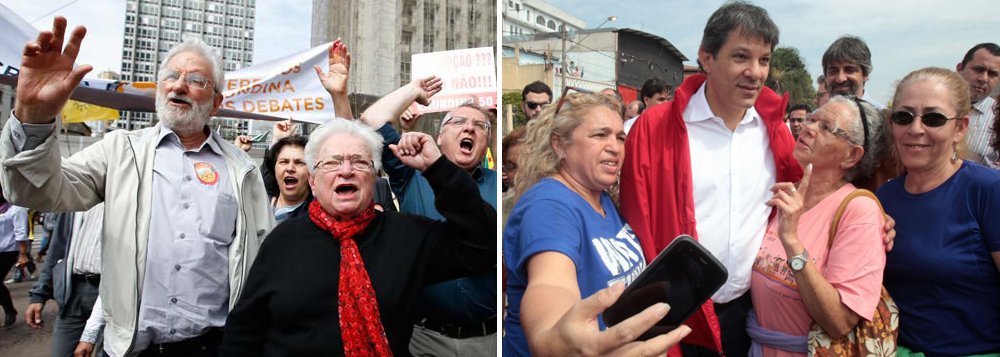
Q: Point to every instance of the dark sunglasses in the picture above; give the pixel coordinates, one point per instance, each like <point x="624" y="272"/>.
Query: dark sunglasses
<point x="565" y="91"/>
<point x="533" y="105"/>
<point x="931" y="119"/>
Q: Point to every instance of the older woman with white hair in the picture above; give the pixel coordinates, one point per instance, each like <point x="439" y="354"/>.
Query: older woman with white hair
<point x="805" y="270"/>
<point x="343" y="279"/>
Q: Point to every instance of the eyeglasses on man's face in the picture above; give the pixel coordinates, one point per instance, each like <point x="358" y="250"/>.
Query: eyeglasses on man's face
<point x="460" y="122"/>
<point x="535" y="105"/>
<point x="196" y="80"/>
<point x="336" y="162"/>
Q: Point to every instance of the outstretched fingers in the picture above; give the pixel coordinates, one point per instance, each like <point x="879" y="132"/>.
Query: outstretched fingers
<point x="75" y="40"/>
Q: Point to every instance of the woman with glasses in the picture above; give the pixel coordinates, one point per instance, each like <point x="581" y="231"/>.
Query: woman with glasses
<point x="800" y="276"/>
<point x="565" y="240"/>
<point x="944" y="271"/>
<point x="343" y="279"/>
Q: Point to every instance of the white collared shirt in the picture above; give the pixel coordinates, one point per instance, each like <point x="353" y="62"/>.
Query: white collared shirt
<point x="981" y="132"/>
<point x="732" y="172"/>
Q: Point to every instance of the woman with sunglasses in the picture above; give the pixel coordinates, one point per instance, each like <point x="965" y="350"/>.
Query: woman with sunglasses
<point x="798" y="277"/>
<point x="944" y="271"/>
<point x="565" y="240"/>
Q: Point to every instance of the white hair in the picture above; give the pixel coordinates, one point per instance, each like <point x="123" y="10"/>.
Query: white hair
<point x="319" y="137"/>
<point x="196" y="45"/>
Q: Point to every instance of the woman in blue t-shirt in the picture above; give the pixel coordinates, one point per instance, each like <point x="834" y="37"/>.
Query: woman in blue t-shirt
<point x="944" y="271"/>
<point x="564" y="240"/>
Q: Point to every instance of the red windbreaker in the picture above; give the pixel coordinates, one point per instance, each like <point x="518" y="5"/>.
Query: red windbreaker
<point x="657" y="198"/>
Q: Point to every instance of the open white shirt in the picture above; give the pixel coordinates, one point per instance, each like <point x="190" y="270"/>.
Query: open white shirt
<point x="732" y="172"/>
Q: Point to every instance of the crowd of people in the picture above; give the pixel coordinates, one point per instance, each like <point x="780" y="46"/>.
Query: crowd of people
<point x="847" y="227"/>
<point x="352" y="240"/>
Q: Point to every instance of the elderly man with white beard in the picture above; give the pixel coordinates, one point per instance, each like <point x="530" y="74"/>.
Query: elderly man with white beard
<point x="185" y="210"/>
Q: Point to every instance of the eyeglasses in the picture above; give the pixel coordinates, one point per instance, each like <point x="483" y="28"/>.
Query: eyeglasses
<point x="565" y="91"/>
<point x="479" y="125"/>
<point x="336" y="162"/>
<point x="534" y="105"/>
<point x="931" y="119"/>
<point x="190" y="79"/>
<point x="827" y="127"/>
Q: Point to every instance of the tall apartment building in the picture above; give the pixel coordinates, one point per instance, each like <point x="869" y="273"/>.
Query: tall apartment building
<point x="152" y="27"/>
<point x="382" y="35"/>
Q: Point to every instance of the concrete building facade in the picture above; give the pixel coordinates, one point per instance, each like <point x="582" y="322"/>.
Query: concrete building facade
<point x="528" y="17"/>
<point x="383" y="35"/>
<point x="152" y="27"/>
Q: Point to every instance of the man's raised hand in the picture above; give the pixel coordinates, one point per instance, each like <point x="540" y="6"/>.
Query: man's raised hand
<point x="47" y="77"/>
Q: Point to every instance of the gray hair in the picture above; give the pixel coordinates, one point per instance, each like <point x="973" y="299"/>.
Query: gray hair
<point x="752" y="21"/>
<point x="196" y="45"/>
<point x="319" y="137"/>
<point x="849" y="49"/>
<point x="875" y="143"/>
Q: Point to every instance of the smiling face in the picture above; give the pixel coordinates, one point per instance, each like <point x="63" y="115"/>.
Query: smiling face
<point x="292" y="174"/>
<point x="845" y="79"/>
<point x="982" y="73"/>
<point x="736" y="74"/>
<point x="344" y="192"/>
<point x="596" y="149"/>
<point x="464" y="141"/>
<point x="922" y="148"/>
<point x="182" y="107"/>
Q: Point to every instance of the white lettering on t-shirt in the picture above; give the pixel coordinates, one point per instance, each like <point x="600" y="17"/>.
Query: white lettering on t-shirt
<point x="620" y="254"/>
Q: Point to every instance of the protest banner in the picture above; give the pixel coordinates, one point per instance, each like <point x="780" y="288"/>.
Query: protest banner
<point x="467" y="75"/>
<point x="285" y="87"/>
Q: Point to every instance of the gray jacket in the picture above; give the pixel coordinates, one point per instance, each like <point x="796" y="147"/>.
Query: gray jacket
<point x="119" y="171"/>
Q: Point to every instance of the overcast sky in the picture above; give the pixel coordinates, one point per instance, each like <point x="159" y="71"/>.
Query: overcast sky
<point x="903" y="35"/>
<point x="282" y="27"/>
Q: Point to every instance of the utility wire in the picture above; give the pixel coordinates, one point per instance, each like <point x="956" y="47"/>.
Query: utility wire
<point x="54" y="11"/>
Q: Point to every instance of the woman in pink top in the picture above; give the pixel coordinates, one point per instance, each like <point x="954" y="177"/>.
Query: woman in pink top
<point x="796" y="278"/>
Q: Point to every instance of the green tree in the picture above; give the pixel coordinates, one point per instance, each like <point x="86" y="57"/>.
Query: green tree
<point x="788" y="74"/>
<point x="514" y="99"/>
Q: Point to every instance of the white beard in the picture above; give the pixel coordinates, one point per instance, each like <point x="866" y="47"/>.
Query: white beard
<point x="181" y="121"/>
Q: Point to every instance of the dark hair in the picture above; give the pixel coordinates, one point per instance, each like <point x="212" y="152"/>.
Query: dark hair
<point x="990" y="47"/>
<point x="805" y="107"/>
<point x="652" y="87"/>
<point x="752" y="21"/>
<point x="512" y="139"/>
<point x="849" y="49"/>
<point x="271" y="159"/>
<point x="536" y="87"/>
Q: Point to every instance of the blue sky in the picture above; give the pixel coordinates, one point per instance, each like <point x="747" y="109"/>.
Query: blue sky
<point x="282" y="27"/>
<point x="903" y="35"/>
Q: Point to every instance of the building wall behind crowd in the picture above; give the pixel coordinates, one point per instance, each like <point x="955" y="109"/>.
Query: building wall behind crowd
<point x="527" y="17"/>
<point x="152" y="27"/>
<point x="383" y="35"/>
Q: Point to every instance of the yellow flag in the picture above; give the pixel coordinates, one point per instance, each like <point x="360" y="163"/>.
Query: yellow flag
<point x="78" y="112"/>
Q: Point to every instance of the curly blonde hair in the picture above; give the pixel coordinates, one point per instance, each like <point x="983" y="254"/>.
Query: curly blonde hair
<point x="538" y="158"/>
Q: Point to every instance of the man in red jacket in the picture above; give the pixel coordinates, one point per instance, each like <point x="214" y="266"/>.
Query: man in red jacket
<point x="703" y="165"/>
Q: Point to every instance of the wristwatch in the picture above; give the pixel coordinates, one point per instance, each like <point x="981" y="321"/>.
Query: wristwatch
<point x="798" y="262"/>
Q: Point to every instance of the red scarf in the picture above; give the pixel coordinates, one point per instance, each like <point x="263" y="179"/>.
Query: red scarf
<point x="360" y="323"/>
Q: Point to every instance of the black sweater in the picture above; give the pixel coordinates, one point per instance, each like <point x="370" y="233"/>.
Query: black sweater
<point x="288" y="305"/>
